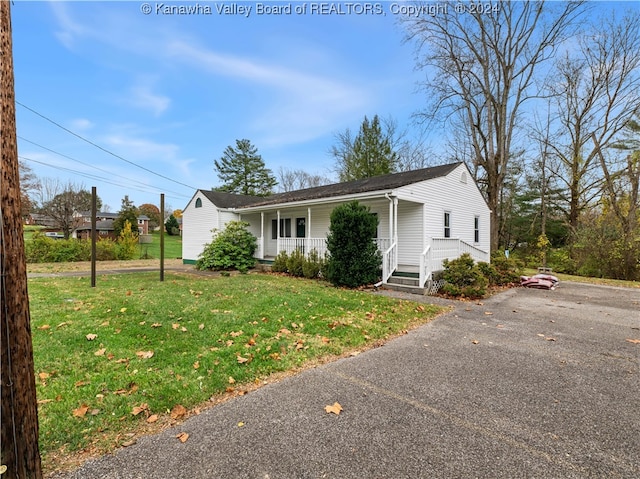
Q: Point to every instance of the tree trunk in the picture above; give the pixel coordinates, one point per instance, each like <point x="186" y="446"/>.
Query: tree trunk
<point x="19" y="415"/>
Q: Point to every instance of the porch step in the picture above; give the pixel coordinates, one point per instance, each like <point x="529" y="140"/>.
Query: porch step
<point x="405" y="283"/>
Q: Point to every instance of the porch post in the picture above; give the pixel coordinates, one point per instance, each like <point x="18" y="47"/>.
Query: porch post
<point x="390" y="221"/>
<point x="307" y="246"/>
<point x="278" y="234"/>
<point x="262" y="235"/>
<point x="395" y="220"/>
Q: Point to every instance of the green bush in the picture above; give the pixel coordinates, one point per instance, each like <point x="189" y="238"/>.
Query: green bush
<point x="105" y="250"/>
<point x="354" y="259"/>
<point x="41" y="249"/>
<point x="231" y="248"/>
<point x="295" y="262"/>
<point x="313" y="266"/>
<point x="280" y="263"/>
<point x="560" y="260"/>
<point x="508" y="270"/>
<point x="464" y="278"/>
<point x="127" y="243"/>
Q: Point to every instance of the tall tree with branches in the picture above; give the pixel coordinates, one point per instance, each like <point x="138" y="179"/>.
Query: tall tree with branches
<point x="369" y="154"/>
<point x="481" y="67"/>
<point x="242" y="171"/>
<point x="596" y="91"/>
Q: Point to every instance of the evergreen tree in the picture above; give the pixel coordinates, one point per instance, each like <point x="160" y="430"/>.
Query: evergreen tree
<point x="242" y="170"/>
<point x="354" y="259"/>
<point x="369" y="154"/>
<point x="172" y="226"/>
<point x="128" y="212"/>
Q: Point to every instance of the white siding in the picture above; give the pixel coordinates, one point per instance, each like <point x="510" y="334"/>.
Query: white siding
<point x="410" y="234"/>
<point x="198" y="224"/>
<point x="463" y="200"/>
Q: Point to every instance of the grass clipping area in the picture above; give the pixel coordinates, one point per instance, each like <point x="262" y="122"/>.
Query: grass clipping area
<point x="134" y="355"/>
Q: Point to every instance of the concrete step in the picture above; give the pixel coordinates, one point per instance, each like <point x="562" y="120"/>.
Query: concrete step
<point x="404" y="280"/>
<point x="407" y="285"/>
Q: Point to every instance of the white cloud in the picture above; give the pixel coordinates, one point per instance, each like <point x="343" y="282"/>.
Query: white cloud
<point x="300" y="106"/>
<point x="136" y="149"/>
<point x="142" y="97"/>
<point x="81" y="124"/>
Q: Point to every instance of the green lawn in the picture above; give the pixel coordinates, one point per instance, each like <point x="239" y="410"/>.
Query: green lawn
<point x="172" y="247"/>
<point x="108" y="359"/>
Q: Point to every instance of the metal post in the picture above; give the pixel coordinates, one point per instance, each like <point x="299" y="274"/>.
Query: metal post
<point x="162" y="237"/>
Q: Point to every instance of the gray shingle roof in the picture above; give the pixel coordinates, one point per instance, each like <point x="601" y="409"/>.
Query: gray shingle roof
<point x="376" y="183"/>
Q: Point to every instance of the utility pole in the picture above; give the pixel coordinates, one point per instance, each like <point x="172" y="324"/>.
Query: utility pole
<point x="19" y="415"/>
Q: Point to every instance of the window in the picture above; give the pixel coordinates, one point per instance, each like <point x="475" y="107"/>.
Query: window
<point x="463" y="178"/>
<point x="447" y="224"/>
<point x="285" y="228"/>
<point x="198" y="203"/>
<point x="476" y="229"/>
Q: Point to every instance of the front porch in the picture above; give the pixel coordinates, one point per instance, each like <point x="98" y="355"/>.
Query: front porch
<point x="427" y="263"/>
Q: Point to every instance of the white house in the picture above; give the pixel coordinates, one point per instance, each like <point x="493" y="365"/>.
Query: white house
<point x="424" y="216"/>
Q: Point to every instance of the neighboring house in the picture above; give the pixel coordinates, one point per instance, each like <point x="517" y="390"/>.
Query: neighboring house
<point x="104" y="225"/>
<point x="424" y="217"/>
<point x="143" y="225"/>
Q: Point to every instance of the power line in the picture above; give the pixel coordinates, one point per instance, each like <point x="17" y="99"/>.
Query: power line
<point x="102" y="148"/>
<point x="91" y="166"/>
<point x="95" y="177"/>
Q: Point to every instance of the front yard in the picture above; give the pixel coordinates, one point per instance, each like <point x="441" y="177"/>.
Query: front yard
<point x="133" y="354"/>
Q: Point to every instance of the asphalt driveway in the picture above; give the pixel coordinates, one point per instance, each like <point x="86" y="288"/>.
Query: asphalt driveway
<point x="527" y="384"/>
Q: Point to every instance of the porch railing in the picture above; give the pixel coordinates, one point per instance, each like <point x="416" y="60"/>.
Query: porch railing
<point x="389" y="261"/>
<point x="306" y="245"/>
<point x="451" y="248"/>
<point x="425" y="266"/>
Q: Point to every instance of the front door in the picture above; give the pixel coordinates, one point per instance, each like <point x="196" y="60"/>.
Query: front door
<point x="301" y="227"/>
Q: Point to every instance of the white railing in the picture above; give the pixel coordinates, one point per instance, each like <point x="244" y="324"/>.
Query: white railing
<point x="304" y="245"/>
<point x="452" y="248"/>
<point x="425" y="266"/>
<point x="389" y="262"/>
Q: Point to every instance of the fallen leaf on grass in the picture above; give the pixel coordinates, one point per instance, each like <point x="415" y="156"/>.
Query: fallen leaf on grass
<point x="122" y="310"/>
<point x="633" y="341"/>
<point x="81" y="411"/>
<point x="335" y="408"/>
<point x="156" y="325"/>
<point x="44" y="376"/>
<point x="144" y="354"/>
<point x="178" y="411"/>
<point x="242" y="360"/>
<point x="175" y="325"/>
<point x="183" y="436"/>
<point x="231" y="380"/>
<point x="201" y="326"/>
<point x="153" y="418"/>
<point x="138" y="409"/>
<point x="196" y="365"/>
<point x="100" y="352"/>
<point x="44" y="327"/>
<point x="91" y="336"/>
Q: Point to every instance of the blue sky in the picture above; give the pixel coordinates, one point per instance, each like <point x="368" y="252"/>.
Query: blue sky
<point x="171" y="92"/>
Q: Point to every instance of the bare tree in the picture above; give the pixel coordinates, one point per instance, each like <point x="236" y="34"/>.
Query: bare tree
<point x="481" y="67"/>
<point x="296" y="179"/>
<point x="596" y="90"/>
<point x="64" y="204"/>
<point x="29" y="185"/>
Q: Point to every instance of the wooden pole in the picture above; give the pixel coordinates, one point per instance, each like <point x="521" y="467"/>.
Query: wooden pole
<point x="19" y="414"/>
<point x="162" y="237"/>
<point x="94" y="233"/>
